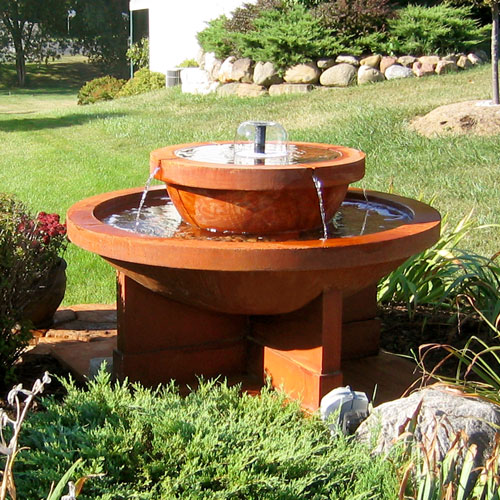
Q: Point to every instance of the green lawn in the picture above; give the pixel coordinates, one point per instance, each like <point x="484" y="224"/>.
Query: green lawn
<point x="58" y="153"/>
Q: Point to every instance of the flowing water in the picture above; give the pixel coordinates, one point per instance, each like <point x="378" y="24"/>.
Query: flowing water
<point x="144" y="194"/>
<point x="319" y="190"/>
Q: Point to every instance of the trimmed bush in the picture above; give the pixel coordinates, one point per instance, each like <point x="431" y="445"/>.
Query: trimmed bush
<point x="215" y="443"/>
<point x="434" y="30"/>
<point x="138" y="54"/>
<point x="104" y="88"/>
<point x="144" y="81"/>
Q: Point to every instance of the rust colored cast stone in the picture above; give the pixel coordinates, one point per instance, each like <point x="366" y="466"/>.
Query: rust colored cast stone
<point x="258" y="199"/>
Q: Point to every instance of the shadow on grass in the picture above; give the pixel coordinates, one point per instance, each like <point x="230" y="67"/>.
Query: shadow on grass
<point x="34" y="124"/>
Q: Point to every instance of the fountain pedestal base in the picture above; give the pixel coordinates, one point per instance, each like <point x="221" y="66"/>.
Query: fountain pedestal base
<point x="301" y="351"/>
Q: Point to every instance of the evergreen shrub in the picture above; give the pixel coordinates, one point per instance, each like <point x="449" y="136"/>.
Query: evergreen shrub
<point x="104" y="88"/>
<point x="441" y="29"/>
<point x="143" y="81"/>
<point x="214" y="443"/>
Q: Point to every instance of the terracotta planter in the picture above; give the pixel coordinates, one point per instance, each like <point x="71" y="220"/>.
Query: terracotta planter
<point x="47" y="297"/>
<point x="258" y="199"/>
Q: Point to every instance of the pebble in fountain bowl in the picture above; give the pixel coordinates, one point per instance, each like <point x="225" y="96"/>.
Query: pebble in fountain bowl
<point x="256" y="193"/>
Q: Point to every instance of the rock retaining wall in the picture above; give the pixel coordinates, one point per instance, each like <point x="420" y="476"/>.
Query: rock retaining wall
<point x="243" y="77"/>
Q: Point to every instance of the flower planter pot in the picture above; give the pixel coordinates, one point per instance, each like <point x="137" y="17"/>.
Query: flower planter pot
<point x="47" y="297"/>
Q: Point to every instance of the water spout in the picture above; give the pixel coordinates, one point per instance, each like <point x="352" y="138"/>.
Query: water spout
<point x="319" y="191"/>
<point x="144" y="194"/>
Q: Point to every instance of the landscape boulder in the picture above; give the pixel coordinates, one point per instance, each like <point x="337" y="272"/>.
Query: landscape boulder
<point x="463" y="62"/>
<point x="340" y="75"/>
<point x="406" y="61"/>
<point x="347" y="59"/>
<point x="369" y="74"/>
<point x="290" y="88"/>
<point x="226" y="70"/>
<point x="443" y="410"/>
<point x="241" y="90"/>
<point x="422" y="69"/>
<point x="444" y="67"/>
<point x="325" y="63"/>
<point x="387" y="61"/>
<point x="373" y="61"/>
<point x="265" y="74"/>
<point x="302" y="73"/>
<point x="430" y="60"/>
<point x="242" y="70"/>
<point x="397" y="71"/>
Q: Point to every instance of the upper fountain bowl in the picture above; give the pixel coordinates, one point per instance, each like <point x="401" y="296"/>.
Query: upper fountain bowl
<point x="214" y="189"/>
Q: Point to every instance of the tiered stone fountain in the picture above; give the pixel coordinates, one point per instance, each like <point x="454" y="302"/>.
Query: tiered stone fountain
<point x="247" y="286"/>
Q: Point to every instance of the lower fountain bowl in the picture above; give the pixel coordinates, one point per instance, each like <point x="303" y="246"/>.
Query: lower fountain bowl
<point x="250" y="277"/>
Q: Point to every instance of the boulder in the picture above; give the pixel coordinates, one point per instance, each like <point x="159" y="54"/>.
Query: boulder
<point x="226" y="70"/>
<point x="463" y="62"/>
<point x="482" y="55"/>
<point x="214" y="73"/>
<point x="290" y="88"/>
<point x="398" y="71"/>
<point x="302" y="73"/>
<point x="209" y="62"/>
<point x="444" y="410"/>
<point x="347" y="59"/>
<point x="325" y="63"/>
<point x="340" y="75"/>
<point x="241" y="90"/>
<point x="368" y="74"/>
<point x="265" y="74"/>
<point x="242" y="70"/>
<point x="451" y="57"/>
<point x="446" y="67"/>
<point x="197" y="81"/>
<point x="474" y="59"/>
<point x="406" y="61"/>
<point x="420" y="69"/>
<point x="372" y="61"/>
<point x="387" y="61"/>
<point x="431" y="60"/>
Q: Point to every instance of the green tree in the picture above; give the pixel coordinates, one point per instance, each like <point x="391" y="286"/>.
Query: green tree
<point x="24" y="22"/>
<point x="100" y="29"/>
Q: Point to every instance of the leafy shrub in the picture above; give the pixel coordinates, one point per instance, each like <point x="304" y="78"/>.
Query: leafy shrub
<point x="138" y="54"/>
<point x="442" y="274"/>
<point x="217" y="38"/>
<point x="104" y="88"/>
<point x="29" y="248"/>
<point x="434" y="30"/>
<point x="188" y="63"/>
<point x="286" y="37"/>
<point x="144" y="81"/>
<point x="215" y="443"/>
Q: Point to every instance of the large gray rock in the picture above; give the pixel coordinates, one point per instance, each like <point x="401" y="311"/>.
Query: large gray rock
<point x="265" y="74"/>
<point x="302" y="73"/>
<point x="475" y="59"/>
<point x="397" y="71"/>
<point x="242" y="70"/>
<point x="241" y="90"/>
<point x="445" y="411"/>
<point x="340" y="75"/>
<point x="290" y="88"/>
<point x="463" y="62"/>
<point x="431" y="60"/>
<point x="197" y="81"/>
<point x="369" y="74"/>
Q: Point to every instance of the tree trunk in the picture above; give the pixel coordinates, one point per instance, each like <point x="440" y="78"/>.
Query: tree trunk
<point x="494" y="51"/>
<point x="20" y="65"/>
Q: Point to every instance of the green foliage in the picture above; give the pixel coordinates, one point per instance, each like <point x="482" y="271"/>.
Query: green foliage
<point x="144" y="81"/>
<point x="217" y="38"/>
<point x="104" y="88"/>
<point x="214" y="443"/>
<point x="188" y="63"/>
<point x="138" y="54"/>
<point x="441" y="29"/>
<point x="286" y="37"/>
<point x="442" y="274"/>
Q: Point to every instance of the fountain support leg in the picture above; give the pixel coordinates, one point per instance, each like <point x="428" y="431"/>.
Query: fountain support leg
<point x="301" y="351"/>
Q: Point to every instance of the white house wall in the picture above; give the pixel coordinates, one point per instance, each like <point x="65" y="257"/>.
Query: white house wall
<point x="173" y="26"/>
